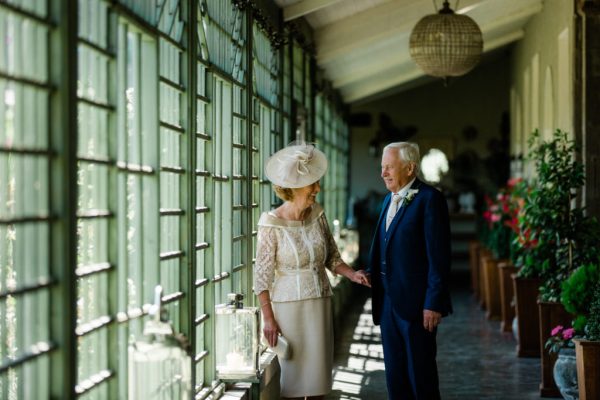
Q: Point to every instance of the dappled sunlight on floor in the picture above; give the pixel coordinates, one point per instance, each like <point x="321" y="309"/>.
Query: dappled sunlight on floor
<point x="359" y="371"/>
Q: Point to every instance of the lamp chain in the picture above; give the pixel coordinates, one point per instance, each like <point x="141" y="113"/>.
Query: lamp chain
<point x="436" y="8"/>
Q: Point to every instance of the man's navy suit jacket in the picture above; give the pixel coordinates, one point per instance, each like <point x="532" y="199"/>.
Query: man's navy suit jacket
<point x="417" y="256"/>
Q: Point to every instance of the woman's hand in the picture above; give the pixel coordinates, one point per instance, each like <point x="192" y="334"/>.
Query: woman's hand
<point x="271" y="330"/>
<point x="270" y="327"/>
<point x="361" y="278"/>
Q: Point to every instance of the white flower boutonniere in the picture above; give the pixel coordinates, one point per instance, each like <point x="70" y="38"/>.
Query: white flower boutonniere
<point x="409" y="196"/>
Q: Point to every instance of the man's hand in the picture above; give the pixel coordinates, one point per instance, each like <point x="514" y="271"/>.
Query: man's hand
<point x="431" y="319"/>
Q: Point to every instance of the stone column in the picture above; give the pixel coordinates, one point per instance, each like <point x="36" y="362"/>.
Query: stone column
<point x="587" y="98"/>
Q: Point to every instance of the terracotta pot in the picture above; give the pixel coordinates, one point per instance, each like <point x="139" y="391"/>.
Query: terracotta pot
<point x="588" y="369"/>
<point x="507" y="309"/>
<point x="474" y="247"/>
<point x="527" y="291"/>
<point x="492" y="288"/>
<point x="551" y="315"/>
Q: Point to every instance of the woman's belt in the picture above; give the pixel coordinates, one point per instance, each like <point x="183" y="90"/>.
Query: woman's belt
<point x="292" y="272"/>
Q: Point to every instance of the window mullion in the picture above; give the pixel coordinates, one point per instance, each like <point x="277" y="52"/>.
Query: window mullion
<point x="63" y="139"/>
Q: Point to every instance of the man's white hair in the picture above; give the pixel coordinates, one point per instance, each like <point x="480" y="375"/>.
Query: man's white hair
<point x="408" y="152"/>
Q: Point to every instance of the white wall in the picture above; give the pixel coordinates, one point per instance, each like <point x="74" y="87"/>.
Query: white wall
<point x="542" y="76"/>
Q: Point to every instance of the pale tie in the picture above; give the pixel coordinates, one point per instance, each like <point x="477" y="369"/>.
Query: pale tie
<point x="392" y="210"/>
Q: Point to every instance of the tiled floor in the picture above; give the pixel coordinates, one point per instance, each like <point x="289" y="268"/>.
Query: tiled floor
<point x="475" y="360"/>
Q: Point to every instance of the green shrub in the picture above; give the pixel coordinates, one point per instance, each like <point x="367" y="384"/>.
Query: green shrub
<point x="578" y="293"/>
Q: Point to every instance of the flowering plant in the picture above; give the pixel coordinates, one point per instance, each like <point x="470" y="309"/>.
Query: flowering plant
<point x="560" y="235"/>
<point x="560" y="338"/>
<point x="409" y="196"/>
<point x="501" y="217"/>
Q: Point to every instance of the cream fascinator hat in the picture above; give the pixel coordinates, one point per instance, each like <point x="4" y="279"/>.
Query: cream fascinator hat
<point x="296" y="165"/>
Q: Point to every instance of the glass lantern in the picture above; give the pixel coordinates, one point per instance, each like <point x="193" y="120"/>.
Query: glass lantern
<point x="236" y="337"/>
<point x="160" y="367"/>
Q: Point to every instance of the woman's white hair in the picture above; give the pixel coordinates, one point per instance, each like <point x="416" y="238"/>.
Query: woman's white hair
<point x="408" y="152"/>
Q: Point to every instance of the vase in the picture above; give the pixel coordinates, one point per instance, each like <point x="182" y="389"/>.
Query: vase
<point x="565" y="374"/>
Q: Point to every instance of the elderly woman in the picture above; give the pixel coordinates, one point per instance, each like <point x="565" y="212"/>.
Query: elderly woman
<point x="294" y="247"/>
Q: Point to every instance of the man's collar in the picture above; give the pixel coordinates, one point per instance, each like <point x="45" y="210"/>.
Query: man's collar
<point x="402" y="192"/>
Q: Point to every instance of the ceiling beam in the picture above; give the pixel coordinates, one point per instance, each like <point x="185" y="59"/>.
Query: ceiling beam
<point x="370" y="66"/>
<point x="305" y="7"/>
<point x="499" y="15"/>
<point x="380" y="83"/>
<point x="500" y="41"/>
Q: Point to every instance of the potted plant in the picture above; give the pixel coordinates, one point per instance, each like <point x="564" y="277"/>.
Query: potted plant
<point x="561" y="345"/>
<point x="517" y="187"/>
<point x="498" y="236"/>
<point x="565" y="236"/>
<point x="576" y="296"/>
<point x="526" y="282"/>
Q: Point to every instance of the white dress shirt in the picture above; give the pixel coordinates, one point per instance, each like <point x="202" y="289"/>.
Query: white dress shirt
<point x="393" y="208"/>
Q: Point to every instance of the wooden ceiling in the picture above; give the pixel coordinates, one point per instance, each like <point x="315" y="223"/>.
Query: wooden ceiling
<point x="362" y="45"/>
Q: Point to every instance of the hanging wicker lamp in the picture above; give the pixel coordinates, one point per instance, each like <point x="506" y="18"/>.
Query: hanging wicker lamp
<point x="446" y="44"/>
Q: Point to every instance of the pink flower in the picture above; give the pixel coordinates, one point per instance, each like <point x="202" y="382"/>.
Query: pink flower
<point x="495" y="217"/>
<point x="514" y="182"/>
<point x="568" y="333"/>
<point x="556" y="330"/>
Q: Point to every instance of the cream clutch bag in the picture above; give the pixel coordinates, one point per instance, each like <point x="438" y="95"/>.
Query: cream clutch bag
<point x="283" y="349"/>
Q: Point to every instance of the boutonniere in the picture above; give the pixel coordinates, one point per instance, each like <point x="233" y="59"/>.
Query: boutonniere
<point x="409" y="196"/>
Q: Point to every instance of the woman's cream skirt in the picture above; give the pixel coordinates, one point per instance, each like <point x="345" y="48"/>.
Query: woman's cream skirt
<point x="308" y="325"/>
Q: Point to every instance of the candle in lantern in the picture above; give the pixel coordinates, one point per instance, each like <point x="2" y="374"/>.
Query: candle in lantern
<point x="235" y="361"/>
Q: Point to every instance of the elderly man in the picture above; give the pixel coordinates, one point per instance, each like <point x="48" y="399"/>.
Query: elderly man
<point x="409" y="268"/>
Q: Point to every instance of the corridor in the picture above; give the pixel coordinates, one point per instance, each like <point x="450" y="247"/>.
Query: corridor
<point x="475" y="360"/>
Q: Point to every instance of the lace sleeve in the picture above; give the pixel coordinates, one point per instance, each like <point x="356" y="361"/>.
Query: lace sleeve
<point x="264" y="268"/>
<point x="333" y="254"/>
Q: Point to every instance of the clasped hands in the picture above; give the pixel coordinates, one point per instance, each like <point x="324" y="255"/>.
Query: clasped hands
<point x="361" y="278"/>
